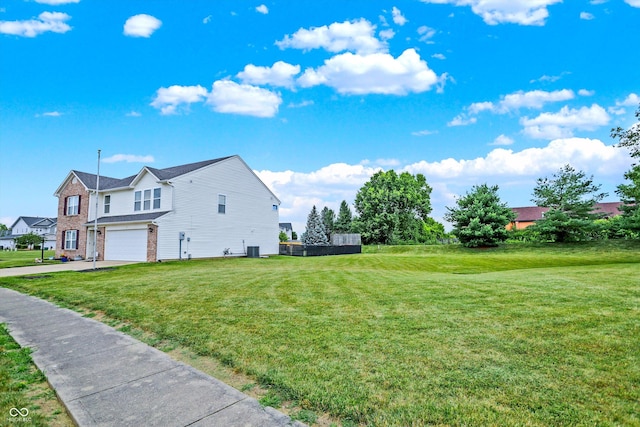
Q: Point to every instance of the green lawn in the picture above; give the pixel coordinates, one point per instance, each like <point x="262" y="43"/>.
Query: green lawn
<point x="22" y="387"/>
<point x="519" y="335"/>
<point x="24" y="258"/>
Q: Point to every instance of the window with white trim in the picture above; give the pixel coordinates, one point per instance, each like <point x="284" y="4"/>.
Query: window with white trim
<point x="71" y="239"/>
<point x="107" y="203"/>
<point x="137" y="201"/>
<point x="73" y="205"/>
<point x="156" y="198"/>
<point x="147" y="200"/>
<point x="222" y="203"/>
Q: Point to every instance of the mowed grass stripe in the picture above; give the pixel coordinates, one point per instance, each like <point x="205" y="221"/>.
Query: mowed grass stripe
<point x="396" y="338"/>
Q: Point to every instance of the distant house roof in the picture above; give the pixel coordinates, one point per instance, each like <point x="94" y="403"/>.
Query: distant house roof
<point x="144" y="217"/>
<point x="109" y="183"/>
<point x="286" y="226"/>
<point x="535" y="213"/>
<point x="35" y="221"/>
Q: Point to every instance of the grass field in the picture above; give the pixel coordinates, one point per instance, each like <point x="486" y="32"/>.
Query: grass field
<point x="10" y="259"/>
<point x="22" y="386"/>
<point x="519" y="335"/>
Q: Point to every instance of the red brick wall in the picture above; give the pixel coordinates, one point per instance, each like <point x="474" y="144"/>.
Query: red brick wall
<point x="152" y="242"/>
<point x="73" y="222"/>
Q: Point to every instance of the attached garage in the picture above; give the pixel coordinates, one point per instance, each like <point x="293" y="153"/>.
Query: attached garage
<point x="126" y="245"/>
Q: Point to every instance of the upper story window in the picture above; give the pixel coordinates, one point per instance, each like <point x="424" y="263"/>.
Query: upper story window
<point x="156" y="198"/>
<point x="72" y="205"/>
<point x="222" y="203"/>
<point x="274" y="207"/>
<point x="137" y="201"/>
<point x="107" y="203"/>
<point x="143" y="199"/>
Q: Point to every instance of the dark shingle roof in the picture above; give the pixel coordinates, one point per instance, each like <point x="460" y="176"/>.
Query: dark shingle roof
<point x="128" y="218"/>
<point x="33" y="220"/>
<point x="108" y="183"/>
<point x="285" y="226"/>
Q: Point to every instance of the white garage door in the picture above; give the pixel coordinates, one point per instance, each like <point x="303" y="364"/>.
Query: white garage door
<point x="126" y="245"/>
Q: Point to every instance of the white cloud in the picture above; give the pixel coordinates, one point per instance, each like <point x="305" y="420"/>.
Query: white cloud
<point x="262" y="9"/>
<point x="633" y="100"/>
<point x="439" y="56"/>
<point x="426" y="33"/>
<point x="302" y="104"/>
<point x="357" y="36"/>
<point x="514" y="101"/>
<point x="387" y="34"/>
<point x="493" y="12"/>
<point x="398" y="17"/>
<point x="587" y="16"/>
<point x="585" y="92"/>
<point x="563" y="123"/>
<point x="207" y="19"/>
<point x="424" y="132"/>
<point x="141" y="25"/>
<point x="502" y="140"/>
<point x="52" y="114"/>
<point x="633" y="3"/>
<point x="230" y="97"/>
<point x="46" y="21"/>
<point x="128" y="158"/>
<point x="380" y="73"/>
<point x="169" y="99"/>
<point x="549" y="79"/>
<point x="133" y="114"/>
<point x="280" y="74"/>
<point x="462" y="120"/>
<point x="515" y="170"/>
<point x="56" y="2"/>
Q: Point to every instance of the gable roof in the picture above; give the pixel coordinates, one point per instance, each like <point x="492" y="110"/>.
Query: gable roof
<point x="143" y="217"/>
<point x="35" y="221"/>
<point x="89" y="180"/>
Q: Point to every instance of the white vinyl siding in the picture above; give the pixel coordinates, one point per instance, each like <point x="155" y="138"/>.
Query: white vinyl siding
<point x="249" y="214"/>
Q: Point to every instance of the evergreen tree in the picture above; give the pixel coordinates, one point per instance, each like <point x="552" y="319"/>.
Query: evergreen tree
<point x="328" y="220"/>
<point x="630" y="193"/>
<point x="480" y="219"/>
<point x="570" y="196"/>
<point x="315" y="233"/>
<point x="345" y="218"/>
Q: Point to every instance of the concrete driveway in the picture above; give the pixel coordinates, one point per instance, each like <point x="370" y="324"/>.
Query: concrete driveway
<point x="64" y="266"/>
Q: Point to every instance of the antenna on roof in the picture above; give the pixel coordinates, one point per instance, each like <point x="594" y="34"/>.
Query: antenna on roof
<point x="95" y="221"/>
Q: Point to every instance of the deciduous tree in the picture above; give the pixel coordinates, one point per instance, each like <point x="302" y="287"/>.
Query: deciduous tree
<point x="392" y="207"/>
<point x="480" y="218"/>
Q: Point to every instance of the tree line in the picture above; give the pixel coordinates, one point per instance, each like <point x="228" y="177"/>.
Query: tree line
<point x="394" y="208"/>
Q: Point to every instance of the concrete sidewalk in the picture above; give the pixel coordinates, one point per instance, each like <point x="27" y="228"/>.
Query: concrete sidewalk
<point x="63" y="266"/>
<point x="106" y="378"/>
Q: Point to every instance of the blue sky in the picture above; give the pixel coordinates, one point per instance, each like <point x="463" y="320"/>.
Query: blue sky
<point x="316" y="96"/>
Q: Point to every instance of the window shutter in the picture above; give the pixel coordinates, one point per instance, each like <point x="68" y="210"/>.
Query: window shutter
<point x="79" y="197"/>
<point x="77" y="236"/>
<point x="64" y="212"/>
<point x="63" y="235"/>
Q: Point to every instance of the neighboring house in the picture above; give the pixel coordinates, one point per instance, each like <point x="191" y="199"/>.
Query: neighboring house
<point x="45" y="227"/>
<point x="207" y="209"/>
<point x="527" y="216"/>
<point x="287" y="228"/>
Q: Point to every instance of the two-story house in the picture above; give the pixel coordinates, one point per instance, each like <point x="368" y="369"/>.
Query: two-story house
<point x="207" y="209"/>
<point x="44" y="227"/>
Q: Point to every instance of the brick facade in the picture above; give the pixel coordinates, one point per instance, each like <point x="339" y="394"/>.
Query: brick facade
<point x="73" y="222"/>
<point x="152" y="242"/>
